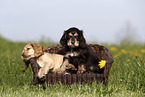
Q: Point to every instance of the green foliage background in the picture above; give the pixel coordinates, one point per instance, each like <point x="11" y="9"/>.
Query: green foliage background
<point x="127" y="75"/>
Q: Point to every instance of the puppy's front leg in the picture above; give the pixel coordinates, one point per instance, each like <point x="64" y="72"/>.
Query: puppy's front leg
<point x="43" y="71"/>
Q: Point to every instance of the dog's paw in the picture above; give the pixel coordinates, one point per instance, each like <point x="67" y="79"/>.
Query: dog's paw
<point x="40" y="75"/>
<point x="71" y="67"/>
<point x="43" y="78"/>
<point x="81" y="69"/>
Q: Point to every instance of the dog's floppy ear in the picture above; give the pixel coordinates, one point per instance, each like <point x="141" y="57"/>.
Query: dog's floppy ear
<point x="82" y="39"/>
<point x="63" y="40"/>
<point x="26" y="64"/>
<point x="38" y="49"/>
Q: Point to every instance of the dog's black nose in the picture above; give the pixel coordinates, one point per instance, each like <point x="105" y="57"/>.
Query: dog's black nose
<point x="72" y="42"/>
<point x="23" y="55"/>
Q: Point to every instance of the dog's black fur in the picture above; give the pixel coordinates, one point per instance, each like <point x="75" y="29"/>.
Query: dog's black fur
<point x="85" y="55"/>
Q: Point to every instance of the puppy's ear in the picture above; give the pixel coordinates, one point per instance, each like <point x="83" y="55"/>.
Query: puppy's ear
<point x="26" y="64"/>
<point x="82" y="39"/>
<point x="63" y="40"/>
<point x="38" y="49"/>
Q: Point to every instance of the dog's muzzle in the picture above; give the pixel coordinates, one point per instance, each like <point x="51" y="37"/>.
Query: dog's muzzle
<point x="73" y="42"/>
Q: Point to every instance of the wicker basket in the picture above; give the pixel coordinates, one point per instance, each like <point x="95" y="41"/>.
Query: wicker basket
<point x="68" y="79"/>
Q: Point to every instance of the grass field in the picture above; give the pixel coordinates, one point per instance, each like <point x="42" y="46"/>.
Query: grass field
<point x="127" y="75"/>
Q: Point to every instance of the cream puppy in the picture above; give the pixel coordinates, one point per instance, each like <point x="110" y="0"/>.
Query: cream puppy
<point x="46" y="61"/>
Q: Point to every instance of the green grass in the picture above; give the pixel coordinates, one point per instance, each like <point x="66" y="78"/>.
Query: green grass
<point x="127" y="75"/>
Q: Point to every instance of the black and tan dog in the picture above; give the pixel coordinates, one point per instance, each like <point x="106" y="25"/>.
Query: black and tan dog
<point x="78" y="52"/>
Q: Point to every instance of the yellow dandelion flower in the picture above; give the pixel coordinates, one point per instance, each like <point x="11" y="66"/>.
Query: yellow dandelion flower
<point x="141" y="59"/>
<point x="113" y="49"/>
<point x="137" y="55"/>
<point x="124" y="51"/>
<point x="12" y="60"/>
<point x="23" y="69"/>
<point x="116" y="56"/>
<point x="128" y="60"/>
<point x="102" y="63"/>
<point x="142" y="50"/>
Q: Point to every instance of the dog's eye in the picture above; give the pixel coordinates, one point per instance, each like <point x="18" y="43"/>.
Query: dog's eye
<point x="70" y="36"/>
<point x="75" y="36"/>
<point x="28" y="48"/>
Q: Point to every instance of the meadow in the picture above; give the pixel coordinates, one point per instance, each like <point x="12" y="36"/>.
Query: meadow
<point x="127" y="75"/>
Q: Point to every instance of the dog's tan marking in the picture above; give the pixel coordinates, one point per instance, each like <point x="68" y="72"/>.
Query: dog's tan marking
<point x="72" y="54"/>
<point x="69" y="42"/>
<point x="76" y="42"/>
<point x="81" y="69"/>
<point x="70" y="34"/>
<point x="76" y="34"/>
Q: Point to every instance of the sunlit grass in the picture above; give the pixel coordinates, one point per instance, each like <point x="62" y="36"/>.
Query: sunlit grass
<point x="127" y="75"/>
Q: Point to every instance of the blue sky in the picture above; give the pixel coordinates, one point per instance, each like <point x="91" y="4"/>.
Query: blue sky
<point x="101" y="20"/>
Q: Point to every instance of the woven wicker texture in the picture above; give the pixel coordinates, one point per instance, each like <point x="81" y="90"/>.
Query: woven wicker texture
<point x="103" y="54"/>
<point x="89" y="77"/>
